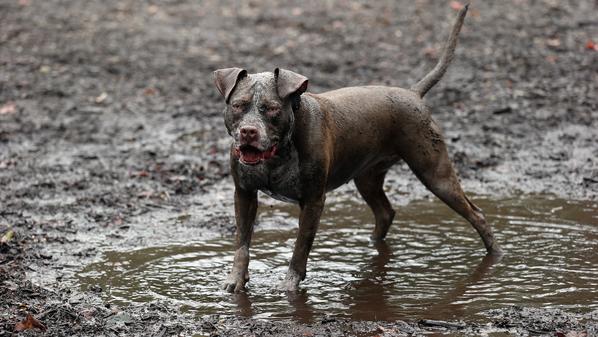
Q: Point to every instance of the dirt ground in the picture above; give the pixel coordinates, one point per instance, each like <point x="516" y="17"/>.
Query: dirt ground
<point x="110" y="128"/>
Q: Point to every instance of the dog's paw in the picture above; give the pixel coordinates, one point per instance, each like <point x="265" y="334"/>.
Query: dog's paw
<point x="495" y="250"/>
<point x="234" y="283"/>
<point x="290" y="282"/>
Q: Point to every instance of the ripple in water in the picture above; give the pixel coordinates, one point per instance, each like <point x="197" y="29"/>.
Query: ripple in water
<point x="431" y="266"/>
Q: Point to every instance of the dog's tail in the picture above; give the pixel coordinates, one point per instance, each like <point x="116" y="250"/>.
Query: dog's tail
<point x="426" y="83"/>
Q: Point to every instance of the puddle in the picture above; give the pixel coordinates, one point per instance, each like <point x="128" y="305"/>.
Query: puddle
<point x="433" y="265"/>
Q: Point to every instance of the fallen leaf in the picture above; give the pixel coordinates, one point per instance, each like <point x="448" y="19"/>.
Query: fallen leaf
<point x="10" y="285"/>
<point x="384" y="330"/>
<point x="556" y="42"/>
<point x="153" y="9"/>
<point x="431" y="52"/>
<point x="88" y="313"/>
<point x="296" y="11"/>
<point x="280" y="50"/>
<point x="7" y="237"/>
<point x="142" y="173"/>
<point x="145" y="194"/>
<point x="117" y="221"/>
<point x="150" y="91"/>
<point x="552" y="59"/>
<point x="591" y="45"/>
<point x="101" y="98"/>
<point x="456" y="5"/>
<point x="29" y="323"/>
<point x="474" y="13"/>
<point x="7" y="163"/>
<point x="164" y="195"/>
<point x="8" y="108"/>
<point x="177" y="178"/>
<point x="183" y="217"/>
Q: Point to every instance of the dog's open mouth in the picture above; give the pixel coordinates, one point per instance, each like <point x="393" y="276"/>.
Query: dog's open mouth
<point x="251" y="155"/>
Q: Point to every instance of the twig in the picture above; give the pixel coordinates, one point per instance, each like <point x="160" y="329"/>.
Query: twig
<point x="448" y="325"/>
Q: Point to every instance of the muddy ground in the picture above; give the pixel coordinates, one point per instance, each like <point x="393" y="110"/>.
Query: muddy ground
<point x="111" y="133"/>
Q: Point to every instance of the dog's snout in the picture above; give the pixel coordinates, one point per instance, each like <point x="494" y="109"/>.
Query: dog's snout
<point x="249" y="134"/>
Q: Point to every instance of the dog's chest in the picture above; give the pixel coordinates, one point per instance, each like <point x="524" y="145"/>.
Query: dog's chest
<point x="281" y="182"/>
<point x="284" y="183"/>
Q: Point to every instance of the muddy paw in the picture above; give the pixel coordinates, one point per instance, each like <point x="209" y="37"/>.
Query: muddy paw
<point x="495" y="250"/>
<point x="291" y="282"/>
<point x="234" y="283"/>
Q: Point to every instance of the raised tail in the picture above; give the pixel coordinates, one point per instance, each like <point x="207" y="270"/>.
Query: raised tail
<point x="426" y="83"/>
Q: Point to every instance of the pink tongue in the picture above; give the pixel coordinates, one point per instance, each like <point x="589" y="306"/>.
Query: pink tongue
<point x="251" y="156"/>
<point x="269" y="154"/>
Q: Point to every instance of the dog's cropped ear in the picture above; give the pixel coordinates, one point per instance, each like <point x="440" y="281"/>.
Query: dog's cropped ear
<point x="226" y="80"/>
<point x="288" y="82"/>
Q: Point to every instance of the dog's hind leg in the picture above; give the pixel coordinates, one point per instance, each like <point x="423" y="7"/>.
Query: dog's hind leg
<point x="428" y="159"/>
<point x="370" y="186"/>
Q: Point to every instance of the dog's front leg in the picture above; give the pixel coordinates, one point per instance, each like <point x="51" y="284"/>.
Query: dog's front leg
<point x="308" y="225"/>
<point x="245" y="210"/>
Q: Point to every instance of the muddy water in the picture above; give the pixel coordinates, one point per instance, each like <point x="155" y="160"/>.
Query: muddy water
<point x="432" y="265"/>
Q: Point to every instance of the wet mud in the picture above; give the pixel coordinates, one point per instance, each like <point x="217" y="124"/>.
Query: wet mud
<point x="112" y="140"/>
<point x="430" y="266"/>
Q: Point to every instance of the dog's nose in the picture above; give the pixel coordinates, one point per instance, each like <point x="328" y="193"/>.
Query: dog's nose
<point x="249" y="134"/>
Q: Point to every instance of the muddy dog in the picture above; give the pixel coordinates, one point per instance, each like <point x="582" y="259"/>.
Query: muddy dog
<point x="296" y="146"/>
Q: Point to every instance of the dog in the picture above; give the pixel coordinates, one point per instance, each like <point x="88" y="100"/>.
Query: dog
<point x="296" y="146"/>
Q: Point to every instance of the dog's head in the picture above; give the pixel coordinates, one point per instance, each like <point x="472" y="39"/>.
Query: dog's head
<point x="259" y="110"/>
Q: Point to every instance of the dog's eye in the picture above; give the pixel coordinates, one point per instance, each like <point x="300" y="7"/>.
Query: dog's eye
<point x="272" y="111"/>
<point x="239" y="106"/>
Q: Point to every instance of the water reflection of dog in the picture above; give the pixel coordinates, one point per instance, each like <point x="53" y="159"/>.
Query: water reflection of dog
<point x="369" y="297"/>
<point x="302" y="311"/>
<point x="446" y="308"/>
<point x="244" y="305"/>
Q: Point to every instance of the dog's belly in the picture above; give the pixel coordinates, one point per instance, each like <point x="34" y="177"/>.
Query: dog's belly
<point x="369" y="165"/>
